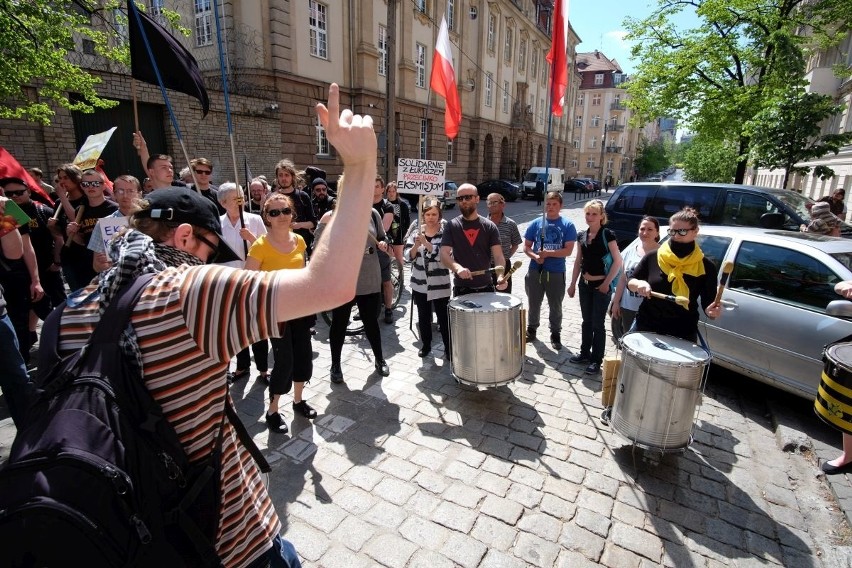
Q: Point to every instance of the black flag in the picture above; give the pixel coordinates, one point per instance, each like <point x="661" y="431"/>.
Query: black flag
<point x="178" y="68"/>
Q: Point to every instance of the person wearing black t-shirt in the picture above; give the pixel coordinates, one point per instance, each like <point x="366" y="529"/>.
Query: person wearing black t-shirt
<point x="677" y="268"/>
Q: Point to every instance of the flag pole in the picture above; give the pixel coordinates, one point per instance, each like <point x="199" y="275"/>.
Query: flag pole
<point x="228" y="113"/>
<point x="135" y="104"/>
<point x="172" y="117"/>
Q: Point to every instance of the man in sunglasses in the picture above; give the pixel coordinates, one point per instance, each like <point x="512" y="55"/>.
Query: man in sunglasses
<point x="203" y="170"/>
<point x="468" y="245"/>
<point x="185" y="328"/>
<point x="77" y="259"/>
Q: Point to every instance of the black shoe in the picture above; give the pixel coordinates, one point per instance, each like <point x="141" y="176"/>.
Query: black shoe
<point x="382" y="367"/>
<point x="336" y="374"/>
<point x="606" y="415"/>
<point x="579" y="358"/>
<point x="530" y="335"/>
<point x="554" y="341"/>
<point x="263" y="377"/>
<point x="275" y="423"/>
<point x="388" y="315"/>
<point x="829" y="469"/>
<point x="593" y="368"/>
<point x="425" y="350"/>
<point x="304" y="409"/>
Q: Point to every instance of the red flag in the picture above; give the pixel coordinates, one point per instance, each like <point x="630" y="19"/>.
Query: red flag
<point x="10" y="167"/>
<point x="100" y="168"/>
<point x="443" y="81"/>
<point x="558" y="57"/>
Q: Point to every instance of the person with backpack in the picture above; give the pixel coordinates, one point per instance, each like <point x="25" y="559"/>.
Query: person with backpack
<point x="182" y="336"/>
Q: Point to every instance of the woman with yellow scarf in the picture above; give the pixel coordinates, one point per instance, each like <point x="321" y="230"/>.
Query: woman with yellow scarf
<point x="677" y="268"/>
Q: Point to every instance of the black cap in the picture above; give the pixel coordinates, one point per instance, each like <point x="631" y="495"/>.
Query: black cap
<point x="319" y="181"/>
<point x="183" y="205"/>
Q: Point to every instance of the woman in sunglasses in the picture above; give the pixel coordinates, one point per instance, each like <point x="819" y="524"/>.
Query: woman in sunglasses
<point x="368" y="296"/>
<point x="281" y="248"/>
<point x="677" y="268"/>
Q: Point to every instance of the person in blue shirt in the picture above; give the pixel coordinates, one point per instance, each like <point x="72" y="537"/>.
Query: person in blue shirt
<point x="547" y="250"/>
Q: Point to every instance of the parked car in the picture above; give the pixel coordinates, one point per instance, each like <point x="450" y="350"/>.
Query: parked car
<point x="508" y="189"/>
<point x="577" y="186"/>
<point x="774" y="322"/>
<point x="716" y="203"/>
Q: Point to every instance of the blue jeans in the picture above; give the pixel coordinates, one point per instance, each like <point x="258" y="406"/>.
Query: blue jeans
<point x="593" y="307"/>
<point x="14" y="380"/>
<point x="281" y="555"/>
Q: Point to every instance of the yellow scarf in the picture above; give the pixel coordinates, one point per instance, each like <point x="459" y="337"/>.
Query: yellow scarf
<point x="674" y="267"/>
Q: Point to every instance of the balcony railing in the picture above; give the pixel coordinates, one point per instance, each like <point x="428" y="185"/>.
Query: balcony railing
<point x="613" y="149"/>
<point x="617" y="106"/>
<point x="615" y="128"/>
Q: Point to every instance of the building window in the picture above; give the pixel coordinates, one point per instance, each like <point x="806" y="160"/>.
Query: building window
<point x="581" y="99"/>
<point x="576" y="144"/>
<point x="492" y="25"/>
<point x="596" y="100"/>
<point x="505" y="97"/>
<point x="155" y="7"/>
<point x="383" y="51"/>
<point x="421" y="5"/>
<point x="451" y="14"/>
<point x="534" y="64"/>
<point x="578" y="121"/>
<point x="489" y="89"/>
<point x="423" y="138"/>
<point x="88" y="47"/>
<point x="318" y="23"/>
<point x="590" y="163"/>
<point x="420" y="65"/>
<point x="593" y="143"/>
<point x="609" y="164"/>
<point x="596" y="120"/>
<point x="522" y="56"/>
<point x="449" y="151"/>
<point x="573" y="164"/>
<point x="322" y="141"/>
<point x="507" y="48"/>
<point x="599" y="78"/>
<point x="203" y="23"/>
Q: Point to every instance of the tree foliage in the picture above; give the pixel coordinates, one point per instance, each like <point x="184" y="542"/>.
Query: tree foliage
<point x="788" y="132"/>
<point x="37" y="71"/>
<point x="709" y="160"/>
<point x="651" y="157"/>
<point x="721" y="73"/>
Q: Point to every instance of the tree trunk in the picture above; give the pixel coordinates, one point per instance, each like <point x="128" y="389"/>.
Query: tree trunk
<point x="742" y="165"/>
<point x="786" y="177"/>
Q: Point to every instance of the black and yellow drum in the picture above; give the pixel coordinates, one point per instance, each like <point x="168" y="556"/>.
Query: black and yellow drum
<point x="834" y="398"/>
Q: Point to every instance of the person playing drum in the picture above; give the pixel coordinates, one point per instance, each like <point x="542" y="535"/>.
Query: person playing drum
<point x="677" y="268"/>
<point x="843" y="462"/>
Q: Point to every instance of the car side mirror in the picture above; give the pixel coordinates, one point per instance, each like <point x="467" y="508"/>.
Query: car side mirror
<point x="839" y="308"/>
<point x="772" y="220"/>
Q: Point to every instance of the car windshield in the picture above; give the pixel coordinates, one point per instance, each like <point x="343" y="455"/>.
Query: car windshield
<point x="797" y="202"/>
<point x="534" y="176"/>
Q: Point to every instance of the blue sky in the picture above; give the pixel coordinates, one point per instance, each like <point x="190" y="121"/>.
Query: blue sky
<point x="599" y="23"/>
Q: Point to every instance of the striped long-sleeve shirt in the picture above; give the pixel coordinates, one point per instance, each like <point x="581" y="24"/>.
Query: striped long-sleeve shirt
<point x="428" y="275"/>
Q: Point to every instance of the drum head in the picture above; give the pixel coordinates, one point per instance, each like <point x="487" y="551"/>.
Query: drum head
<point x="841" y="355"/>
<point x="485" y="302"/>
<point x="664" y="348"/>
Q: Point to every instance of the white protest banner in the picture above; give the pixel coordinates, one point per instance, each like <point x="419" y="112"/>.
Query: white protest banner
<point x="421" y="177"/>
<point x="109" y="227"/>
<point x="91" y="149"/>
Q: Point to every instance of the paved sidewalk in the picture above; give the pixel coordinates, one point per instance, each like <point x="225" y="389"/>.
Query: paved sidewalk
<point x="417" y="470"/>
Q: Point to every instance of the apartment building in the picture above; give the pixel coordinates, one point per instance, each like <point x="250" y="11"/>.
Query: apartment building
<point x="822" y="79"/>
<point x="603" y="139"/>
<point x="280" y="56"/>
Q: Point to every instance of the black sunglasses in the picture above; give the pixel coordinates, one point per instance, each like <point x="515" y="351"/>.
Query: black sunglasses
<point x="17" y="193"/>
<point x="204" y="172"/>
<point x="277" y="212"/>
<point x="209" y="243"/>
<point x="91" y="183"/>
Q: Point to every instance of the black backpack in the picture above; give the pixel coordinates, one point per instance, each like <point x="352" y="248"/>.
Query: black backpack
<point x="97" y="476"/>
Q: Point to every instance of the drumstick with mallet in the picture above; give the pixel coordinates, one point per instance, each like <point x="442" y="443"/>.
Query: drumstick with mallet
<point x="515" y="265"/>
<point x="727" y="268"/>
<point x="682" y="301"/>
<point x="498" y="270"/>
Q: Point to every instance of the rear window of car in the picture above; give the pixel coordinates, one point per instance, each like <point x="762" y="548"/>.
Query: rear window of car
<point x="633" y="199"/>
<point x="672" y="198"/>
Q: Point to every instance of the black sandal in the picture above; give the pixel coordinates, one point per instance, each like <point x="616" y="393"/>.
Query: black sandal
<point x="304" y="409"/>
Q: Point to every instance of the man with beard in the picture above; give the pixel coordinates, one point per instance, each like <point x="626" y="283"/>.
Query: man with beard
<point x="322" y="200"/>
<point x="304" y="219"/>
<point x="469" y="244"/>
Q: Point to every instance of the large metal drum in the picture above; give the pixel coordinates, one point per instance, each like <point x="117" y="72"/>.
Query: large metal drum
<point x="834" y="397"/>
<point x="486" y="331"/>
<point x="659" y="387"/>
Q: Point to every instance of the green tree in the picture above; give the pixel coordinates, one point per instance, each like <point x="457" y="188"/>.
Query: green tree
<point x="651" y="157"/>
<point x="709" y="160"/>
<point x="718" y="75"/>
<point x="38" y="70"/>
<point x="788" y="132"/>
